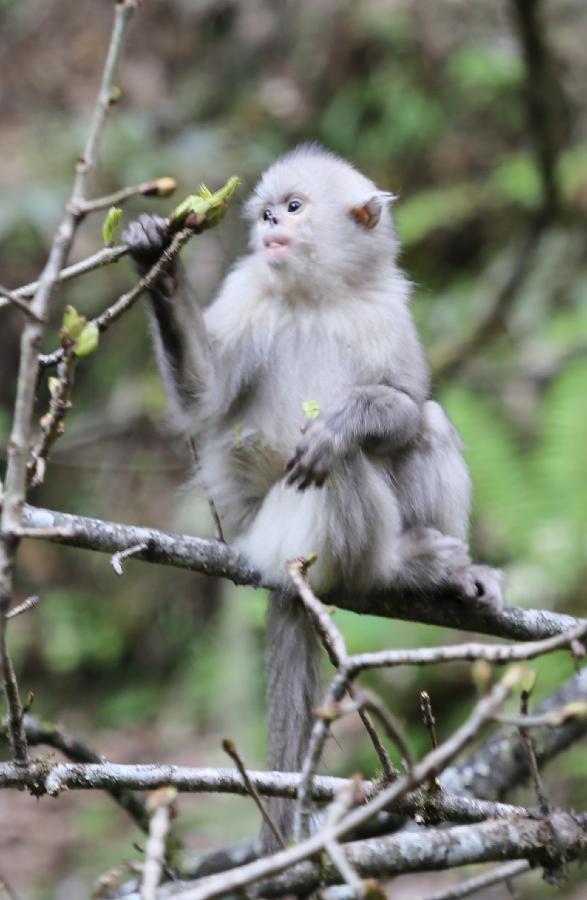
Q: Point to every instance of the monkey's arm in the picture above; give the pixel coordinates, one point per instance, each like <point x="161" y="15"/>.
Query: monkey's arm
<point x="375" y="417"/>
<point x="179" y="333"/>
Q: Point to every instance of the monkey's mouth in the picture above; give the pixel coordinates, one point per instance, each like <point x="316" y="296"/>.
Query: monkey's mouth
<point x="277" y="245"/>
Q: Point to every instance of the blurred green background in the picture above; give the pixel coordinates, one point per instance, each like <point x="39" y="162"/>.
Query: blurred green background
<point x="435" y="102"/>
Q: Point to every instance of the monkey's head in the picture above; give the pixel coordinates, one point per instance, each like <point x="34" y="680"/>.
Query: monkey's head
<point x="314" y="216"/>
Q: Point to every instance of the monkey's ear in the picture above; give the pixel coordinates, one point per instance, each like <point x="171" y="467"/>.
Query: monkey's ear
<point x="369" y="213"/>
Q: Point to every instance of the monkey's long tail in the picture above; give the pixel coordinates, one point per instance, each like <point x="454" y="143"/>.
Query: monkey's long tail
<point x="292" y="693"/>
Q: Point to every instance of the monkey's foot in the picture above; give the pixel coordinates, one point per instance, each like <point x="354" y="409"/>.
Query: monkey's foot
<point x="428" y="557"/>
<point x="481" y="585"/>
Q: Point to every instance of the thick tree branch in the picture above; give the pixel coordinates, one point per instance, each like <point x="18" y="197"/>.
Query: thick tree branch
<point x="43" y="777"/>
<point x="218" y="559"/>
<point x="541" y="842"/>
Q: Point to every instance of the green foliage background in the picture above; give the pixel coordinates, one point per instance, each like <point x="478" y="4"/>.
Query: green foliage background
<point x="429" y="100"/>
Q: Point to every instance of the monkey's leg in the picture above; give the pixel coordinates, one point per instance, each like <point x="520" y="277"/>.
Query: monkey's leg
<point x="434" y="492"/>
<point x="177" y="324"/>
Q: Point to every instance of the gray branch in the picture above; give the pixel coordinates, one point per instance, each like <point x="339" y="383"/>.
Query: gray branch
<point x="218" y="559"/>
<point x="543" y="842"/>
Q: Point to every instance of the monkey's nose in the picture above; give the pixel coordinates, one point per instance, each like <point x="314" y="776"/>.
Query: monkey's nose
<point x="274" y="220"/>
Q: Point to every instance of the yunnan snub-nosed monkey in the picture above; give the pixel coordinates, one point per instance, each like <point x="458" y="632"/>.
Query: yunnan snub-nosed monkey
<point x="315" y="318"/>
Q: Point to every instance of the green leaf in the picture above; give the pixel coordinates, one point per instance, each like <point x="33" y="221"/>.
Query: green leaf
<point x="73" y="323"/>
<point x="88" y="340"/>
<point x="311" y="409"/>
<point x="110" y="225"/>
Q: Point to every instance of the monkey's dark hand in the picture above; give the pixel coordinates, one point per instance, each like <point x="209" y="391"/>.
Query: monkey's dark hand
<point x="314" y="456"/>
<point x="146" y="239"/>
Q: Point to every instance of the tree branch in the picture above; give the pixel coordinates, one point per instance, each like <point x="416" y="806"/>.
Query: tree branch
<point x="218" y="559"/>
<point x="21" y="434"/>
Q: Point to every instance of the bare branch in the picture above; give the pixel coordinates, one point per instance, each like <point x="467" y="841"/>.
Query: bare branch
<point x="160" y="806"/>
<point x="44" y="777"/>
<point x="219" y="559"/>
<point x="230" y="748"/>
<point x="409" y="852"/>
<point x="104" y="257"/>
<point x="156" y="187"/>
<point x="480" y="882"/>
<point x="501" y="762"/>
<point x="440" y="850"/>
<point x="129" y="298"/>
<point x="118" y="558"/>
<point x="42" y="732"/>
<point x="434" y="762"/>
<point x="11" y="298"/>
<point x="21" y="434"/>
<point x="23" y="607"/>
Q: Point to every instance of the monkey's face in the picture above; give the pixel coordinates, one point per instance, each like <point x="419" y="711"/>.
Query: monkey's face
<point x="317" y="221"/>
<point x="280" y="227"/>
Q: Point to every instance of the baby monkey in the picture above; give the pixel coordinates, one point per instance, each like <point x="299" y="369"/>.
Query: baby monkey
<point x="306" y="390"/>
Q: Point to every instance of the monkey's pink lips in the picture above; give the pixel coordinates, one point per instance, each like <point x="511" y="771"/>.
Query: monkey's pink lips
<point x="276" y="245"/>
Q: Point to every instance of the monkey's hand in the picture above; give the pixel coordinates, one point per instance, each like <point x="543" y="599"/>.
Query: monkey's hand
<point x="315" y="455"/>
<point x="146" y="238"/>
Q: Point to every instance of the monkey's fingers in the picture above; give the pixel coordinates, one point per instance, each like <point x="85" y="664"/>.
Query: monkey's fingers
<point x="146" y="237"/>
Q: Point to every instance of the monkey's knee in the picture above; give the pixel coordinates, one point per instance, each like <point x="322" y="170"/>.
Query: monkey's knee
<point x="433" y="481"/>
<point x="437" y="428"/>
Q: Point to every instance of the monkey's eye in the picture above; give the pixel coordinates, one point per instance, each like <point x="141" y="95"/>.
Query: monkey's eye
<point x="294" y="205"/>
<point x="267" y="215"/>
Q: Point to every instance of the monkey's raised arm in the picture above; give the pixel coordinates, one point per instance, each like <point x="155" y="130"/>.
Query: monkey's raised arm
<point x="375" y="417"/>
<point x="179" y="333"/>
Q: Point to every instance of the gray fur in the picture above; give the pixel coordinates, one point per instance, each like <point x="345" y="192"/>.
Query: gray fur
<point x="376" y="485"/>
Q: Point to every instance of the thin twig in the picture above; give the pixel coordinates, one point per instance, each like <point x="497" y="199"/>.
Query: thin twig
<point x="367" y="700"/>
<point x="160" y="807"/>
<point x="494" y="653"/>
<point x="428" y="718"/>
<point x="551" y="719"/>
<point x="346" y="799"/>
<point x="230" y="749"/>
<point x="52" y="423"/>
<point x="480" y="882"/>
<point x="23" y="607"/>
<point x="156" y="187"/>
<point x="543" y="803"/>
<point x="16" y="732"/>
<point x="118" y="558"/>
<point x="334" y="644"/>
<point x="12" y="299"/>
<point x="104" y="257"/>
<point x="389" y="771"/>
